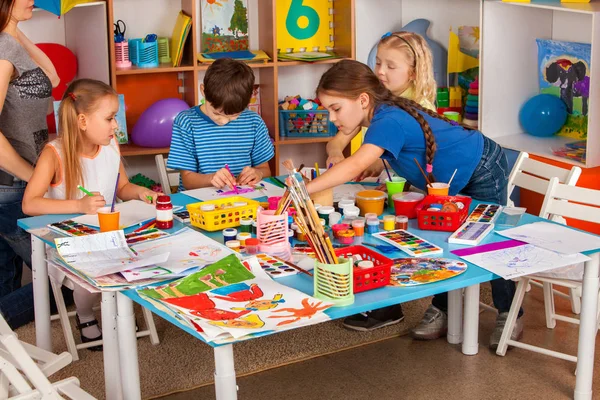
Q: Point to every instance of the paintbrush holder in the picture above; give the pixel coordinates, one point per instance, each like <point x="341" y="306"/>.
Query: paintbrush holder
<point x="271" y="228"/>
<point x="333" y="282"/>
<point x="324" y="197"/>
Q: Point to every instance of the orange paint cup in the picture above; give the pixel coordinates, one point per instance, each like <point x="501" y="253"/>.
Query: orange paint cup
<point x="371" y="201"/>
<point x="438" y="189"/>
<point x="109" y="221"/>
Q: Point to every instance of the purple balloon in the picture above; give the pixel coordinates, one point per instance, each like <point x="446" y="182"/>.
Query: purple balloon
<point x="155" y="125"/>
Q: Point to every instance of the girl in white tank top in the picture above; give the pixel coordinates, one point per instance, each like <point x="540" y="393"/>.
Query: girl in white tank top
<point x="85" y="154"/>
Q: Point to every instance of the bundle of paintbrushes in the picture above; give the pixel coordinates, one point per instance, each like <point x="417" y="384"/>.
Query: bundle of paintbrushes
<point x="308" y="220"/>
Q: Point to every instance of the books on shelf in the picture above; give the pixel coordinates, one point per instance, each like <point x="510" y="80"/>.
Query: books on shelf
<point x="180" y="33"/>
<point x="308" y="56"/>
<point x="248" y="56"/>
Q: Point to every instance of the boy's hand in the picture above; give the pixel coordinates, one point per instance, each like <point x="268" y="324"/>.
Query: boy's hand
<point x="335" y="159"/>
<point x="250" y="176"/>
<point x="223" y="178"/>
<point x="91" y="204"/>
<point x="147" y="196"/>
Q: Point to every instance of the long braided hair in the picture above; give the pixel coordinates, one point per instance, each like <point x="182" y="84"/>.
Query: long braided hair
<point x="349" y="78"/>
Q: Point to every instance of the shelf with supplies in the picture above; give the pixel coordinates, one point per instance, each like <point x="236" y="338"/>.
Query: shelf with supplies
<point x="133" y="70"/>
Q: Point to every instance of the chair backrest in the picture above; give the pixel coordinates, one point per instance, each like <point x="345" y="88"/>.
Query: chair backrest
<point x="168" y="177"/>
<point x="535" y="175"/>
<point x="571" y="202"/>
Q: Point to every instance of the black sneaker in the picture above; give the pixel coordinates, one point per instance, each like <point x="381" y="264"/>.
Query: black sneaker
<point x="376" y="319"/>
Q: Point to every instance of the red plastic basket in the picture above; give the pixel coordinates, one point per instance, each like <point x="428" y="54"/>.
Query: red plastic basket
<point x="442" y="221"/>
<point x="372" y="278"/>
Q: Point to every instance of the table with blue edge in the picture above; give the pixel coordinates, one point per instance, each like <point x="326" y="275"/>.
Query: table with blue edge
<point x="120" y="347"/>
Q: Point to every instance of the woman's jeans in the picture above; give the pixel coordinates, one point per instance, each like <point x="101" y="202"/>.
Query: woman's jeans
<point x="489" y="184"/>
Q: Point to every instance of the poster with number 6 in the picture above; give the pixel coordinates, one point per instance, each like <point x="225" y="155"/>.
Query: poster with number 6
<point x="304" y="25"/>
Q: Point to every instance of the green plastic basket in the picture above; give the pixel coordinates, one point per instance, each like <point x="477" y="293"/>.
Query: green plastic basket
<point x="334" y="282"/>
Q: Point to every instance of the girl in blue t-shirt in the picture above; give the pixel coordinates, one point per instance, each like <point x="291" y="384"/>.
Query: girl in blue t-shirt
<point x="401" y="131"/>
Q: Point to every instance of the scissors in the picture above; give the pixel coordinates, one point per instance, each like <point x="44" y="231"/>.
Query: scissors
<point x="120" y="29"/>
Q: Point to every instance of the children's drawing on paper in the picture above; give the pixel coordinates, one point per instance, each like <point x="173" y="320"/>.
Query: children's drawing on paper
<point x="261" y="189"/>
<point x="522" y="260"/>
<point x="419" y="271"/>
<point x="307" y="311"/>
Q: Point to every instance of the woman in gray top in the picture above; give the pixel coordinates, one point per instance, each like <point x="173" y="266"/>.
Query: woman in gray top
<point x="27" y="77"/>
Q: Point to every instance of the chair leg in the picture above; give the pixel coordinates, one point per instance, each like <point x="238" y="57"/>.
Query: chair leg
<point x="150" y="326"/>
<point x="64" y="319"/>
<point x="512" y="316"/>
<point x="575" y="296"/>
<point x="549" y="305"/>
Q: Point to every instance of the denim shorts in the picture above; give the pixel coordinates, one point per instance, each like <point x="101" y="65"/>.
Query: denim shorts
<point x="490" y="178"/>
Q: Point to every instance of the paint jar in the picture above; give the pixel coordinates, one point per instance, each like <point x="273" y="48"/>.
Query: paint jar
<point x="438" y="189"/>
<point x="207" y="207"/>
<point x="324" y="197"/>
<point x="252" y="246"/>
<point x="300" y="236"/>
<point x="254" y="227"/>
<point x="358" y="225"/>
<point x="389" y="222"/>
<point x="365" y="264"/>
<point x="406" y="203"/>
<point x="246" y="225"/>
<point x="229" y="234"/>
<point x="242" y="237"/>
<point x="317" y="206"/>
<point x="370" y="215"/>
<point x="291" y="236"/>
<point x="345" y="236"/>
<point x="233" y="245"/>
<point x="345" y="202"/>
<point x="339" y="227"/>
<point x="372" y="225"/>
<point x="371" y="201"/>
<point x="240" y="203"/>
<point x="351" y="212"/>
<point x="396" y="185"/>
<point x="164" y="212"/>
<point x="401" y="222"/>
<point x="324" y="213"/>
<point x="334" y="218"/>
<point x="294" y="227"/>
<point x="273" y="202"/>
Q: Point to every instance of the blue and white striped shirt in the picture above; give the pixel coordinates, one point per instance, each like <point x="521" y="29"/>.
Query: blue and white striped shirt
<point x="200" y="145"/>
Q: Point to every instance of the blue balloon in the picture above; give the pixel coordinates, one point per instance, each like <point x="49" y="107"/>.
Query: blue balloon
<point x="543" y="115"/>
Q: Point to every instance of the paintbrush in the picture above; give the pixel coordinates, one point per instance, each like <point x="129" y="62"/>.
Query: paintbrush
<point x="298" y="268"/>
<point x="452" y="177"/>
<point x="387" y="170"/>
<point x="422" y="172"/>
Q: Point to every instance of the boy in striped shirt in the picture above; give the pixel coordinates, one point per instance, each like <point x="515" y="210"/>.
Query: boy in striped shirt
<point x="221" y="132"/>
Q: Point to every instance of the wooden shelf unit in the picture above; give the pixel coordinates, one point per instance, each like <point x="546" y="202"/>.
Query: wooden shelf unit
<point x="142" y="87"/>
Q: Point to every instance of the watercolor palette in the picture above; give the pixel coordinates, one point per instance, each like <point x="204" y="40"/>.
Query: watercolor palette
<point x="471" y="233"/>
<point x="409" y="243"/>
<point x="182" y="216"/>
<point x="485" y="213"/>
<point x="144" y="236"/>
<point x="274" y="266"/>
<point x="72" y="228"/>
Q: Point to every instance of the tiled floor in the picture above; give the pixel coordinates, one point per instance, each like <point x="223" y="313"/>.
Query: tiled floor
<point x="406" y="369"/>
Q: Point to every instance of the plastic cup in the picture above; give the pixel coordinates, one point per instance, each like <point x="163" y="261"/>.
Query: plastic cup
<point x="452" y="115"/>
<point x="109" y="221"/>
<point x="405" y="203"/>
<point x="438" y="189"/>
<point x="396" y="185"/>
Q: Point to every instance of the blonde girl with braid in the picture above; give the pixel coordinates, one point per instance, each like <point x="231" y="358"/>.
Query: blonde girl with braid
<point x="399" y="131"/>
<point x="404" y="64"/>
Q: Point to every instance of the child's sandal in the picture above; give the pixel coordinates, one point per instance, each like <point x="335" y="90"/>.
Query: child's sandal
<point x="85" y="339"/>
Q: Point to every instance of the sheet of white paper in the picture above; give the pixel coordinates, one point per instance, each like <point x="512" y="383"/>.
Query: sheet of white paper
<point x="553" y="237"/>
<point x="522" y="260"/>
<point x="102" y="254"/>
<point x="346" y="190"/>
<point x="131" y="213"/>
<point x="262" y="189"/>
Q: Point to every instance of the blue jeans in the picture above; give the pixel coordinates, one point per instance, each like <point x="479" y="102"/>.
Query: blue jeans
<point x="488" y="184"/>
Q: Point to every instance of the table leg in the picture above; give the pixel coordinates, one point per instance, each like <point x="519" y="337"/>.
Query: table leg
<point x="41" y="295"/>
<point x="225" y="385"/>
<point x="455" y="308"/>
<point x="128" y="353"/>
<point x="470" y="344"/>
<point x="112" y="370"/>
<point x="588" y="327"/>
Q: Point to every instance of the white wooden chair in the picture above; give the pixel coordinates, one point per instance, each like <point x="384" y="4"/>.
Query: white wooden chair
<point x="24" y="369"/>
<point x="59" y="278"/>
<point x="168" y="177"/>
<point x="535" y="175"/>
<point x="565" y="201"/>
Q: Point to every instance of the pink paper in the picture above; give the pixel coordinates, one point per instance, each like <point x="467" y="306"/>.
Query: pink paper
<point x="486" y="248"/>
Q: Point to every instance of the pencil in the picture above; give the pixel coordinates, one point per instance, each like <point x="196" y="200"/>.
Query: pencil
<point x="317" y="169"/>
<point x="235" y="189"/>
<point x="146" y="225"/>
<point x="112" y="207"/>
<point x="84" y="190"/>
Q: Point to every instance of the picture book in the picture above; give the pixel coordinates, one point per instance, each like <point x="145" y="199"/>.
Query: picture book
<point x="224" y="25"/>
<point x="122" y="136"/>
<point x="181" y="30"/>
<point x="420" y="271"/>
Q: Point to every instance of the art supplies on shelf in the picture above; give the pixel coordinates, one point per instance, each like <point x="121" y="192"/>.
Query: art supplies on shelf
<point x="261" y="189"/>
<point x="485" y="213"/>
<point x="409" y="243"/>
<point x="420" y="271"/>
<point x="133" y="212"/>
<point x="575" y="151"/>
<point x="103" y="254"/>
<point x="299" y="117"/>
<point x="178" y="37"/>
<point x="224" y="26"/>
<point x="471" y="233"/>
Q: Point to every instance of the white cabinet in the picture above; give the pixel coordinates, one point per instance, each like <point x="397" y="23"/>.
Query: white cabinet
<point x="509" y="69"/>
